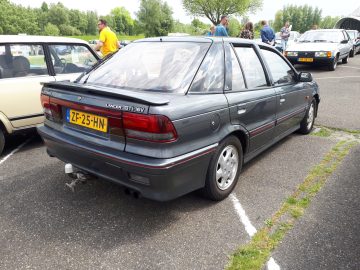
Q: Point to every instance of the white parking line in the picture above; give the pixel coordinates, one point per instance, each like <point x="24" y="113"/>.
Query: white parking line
<point x="349" y="67"/>
<point x="250" y="229"/>
<point x="343" y="77"/>
<point x="14" y="151"/>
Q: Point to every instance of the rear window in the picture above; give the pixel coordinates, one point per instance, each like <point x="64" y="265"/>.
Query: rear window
<point x="152" y="66"/>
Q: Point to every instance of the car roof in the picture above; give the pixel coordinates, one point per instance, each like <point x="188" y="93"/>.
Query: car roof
<point x="200" y="39"/>
<point x="38" y="39"/>
<point x="326" y="30"/>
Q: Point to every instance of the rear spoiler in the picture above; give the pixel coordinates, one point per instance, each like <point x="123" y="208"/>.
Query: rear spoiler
<point x="142" y="97"/>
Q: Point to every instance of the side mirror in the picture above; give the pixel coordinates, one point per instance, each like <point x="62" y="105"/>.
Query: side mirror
<point x="305" y="77"/>
<point x="344" y="41"/>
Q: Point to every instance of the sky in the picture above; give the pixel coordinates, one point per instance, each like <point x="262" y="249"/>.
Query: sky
<point x="267" y="12"/>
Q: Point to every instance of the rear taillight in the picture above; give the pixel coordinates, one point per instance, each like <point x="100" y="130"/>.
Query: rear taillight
<point x="156" y="128"/>
<point x="52" y="110"/>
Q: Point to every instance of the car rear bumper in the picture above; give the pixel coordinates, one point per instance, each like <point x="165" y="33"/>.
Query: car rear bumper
<point x="157" y="179"/>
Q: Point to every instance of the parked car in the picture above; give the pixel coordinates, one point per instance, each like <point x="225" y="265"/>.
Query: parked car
<point x="355" y="38"/>
<point x="166" y="116"/>
<point x="321" y="47"/>
<point x="294" y="35"/>
<point x="25" y="63"/>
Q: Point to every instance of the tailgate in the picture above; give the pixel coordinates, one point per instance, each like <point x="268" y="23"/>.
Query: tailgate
<point x="93" y="114"/>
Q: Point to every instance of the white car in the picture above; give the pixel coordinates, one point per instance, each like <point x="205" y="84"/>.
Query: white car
<point x="321" y="47"/>
<point x="25" y="63"/>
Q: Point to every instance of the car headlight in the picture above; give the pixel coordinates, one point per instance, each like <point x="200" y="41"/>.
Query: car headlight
<point x="291" y="53"/>
<point x="323" y="54"/>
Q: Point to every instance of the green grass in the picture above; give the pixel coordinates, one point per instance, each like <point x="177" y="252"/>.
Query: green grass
<point x="256" y="253"/>
<point x="87" y="38"/>
<point x="323" y="132"/>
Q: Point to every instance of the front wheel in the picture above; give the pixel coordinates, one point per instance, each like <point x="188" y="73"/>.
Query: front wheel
<point x="352" y="52"/>
<point x="224" y="169"/>
<point x="2" y="141"/>
<point x="307" y="123"/>
<point x="346" y="59"/>
<point x="333" y="64"/>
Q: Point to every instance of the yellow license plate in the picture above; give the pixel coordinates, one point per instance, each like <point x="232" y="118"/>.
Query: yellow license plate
<point x="306" y="59"/>
<point x="87" y="120"/>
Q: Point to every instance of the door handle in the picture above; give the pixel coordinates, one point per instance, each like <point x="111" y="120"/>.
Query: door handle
<point x="241" y="111"/>
<point x="282" y="100"/>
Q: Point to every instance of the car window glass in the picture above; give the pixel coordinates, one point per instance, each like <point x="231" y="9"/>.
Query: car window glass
<point x="71" y="58"/>
<point x="237" y="76"/>
<point x="210" y="77"/>
<point x="253" y="70"/>
<point x="151" y="66"/>
<point x="19" y="60"/>
<point x="280" y="70"/>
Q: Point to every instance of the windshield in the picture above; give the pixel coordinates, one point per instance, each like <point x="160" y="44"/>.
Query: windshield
<point x="351" y="34"/>
<point x="322" y="36"/>
<point x="151" y="66"/>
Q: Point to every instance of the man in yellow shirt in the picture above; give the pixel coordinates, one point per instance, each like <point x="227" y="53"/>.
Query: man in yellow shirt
<point x="108" y="41"/>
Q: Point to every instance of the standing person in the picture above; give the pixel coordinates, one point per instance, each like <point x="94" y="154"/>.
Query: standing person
<point x="248" y="31"/>
<point x="285" y="34"/>
<point x="212" y="31"/>
<point x="267" y="33"/>
<point x="220" y="30"/>
<point x="108" y="42"/>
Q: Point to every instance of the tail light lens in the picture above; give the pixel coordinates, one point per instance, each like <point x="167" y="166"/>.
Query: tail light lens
<point x="52" y="110"/>
<point x="156" y="128"/>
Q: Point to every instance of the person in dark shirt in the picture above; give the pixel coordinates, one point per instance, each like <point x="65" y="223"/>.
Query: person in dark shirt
<point x="267" y="34"/>
<point x="248" y="31"/>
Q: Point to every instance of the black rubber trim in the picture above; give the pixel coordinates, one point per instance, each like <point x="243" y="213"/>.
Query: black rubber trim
<point x="26" y="117"/>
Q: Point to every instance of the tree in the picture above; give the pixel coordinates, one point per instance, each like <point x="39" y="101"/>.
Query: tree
<point x="196" y="28"/>
<point x="123" y="23"/>
<point x="328" y="22"/>
<point x="58" y="14"/>
<point x="302" y="18"/>
<point x="92" y="19"/>
<point x="155" y="17"/>
<point x="51" y="30"/>
<point x="213" y="9"/>
<point x="234" y="27"/>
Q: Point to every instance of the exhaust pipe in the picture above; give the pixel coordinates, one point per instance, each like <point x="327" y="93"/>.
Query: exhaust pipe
<point x="130" y="192"/>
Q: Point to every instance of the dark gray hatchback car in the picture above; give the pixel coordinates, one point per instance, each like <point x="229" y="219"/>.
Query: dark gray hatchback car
<point x="167" y="116"/>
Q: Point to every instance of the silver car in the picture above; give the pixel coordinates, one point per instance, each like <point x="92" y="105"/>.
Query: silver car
<point x="321" y="47"/>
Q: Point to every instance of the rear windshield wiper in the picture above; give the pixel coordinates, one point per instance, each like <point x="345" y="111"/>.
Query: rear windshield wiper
<point x="320" y="40"/>
<point x="304" y="40"/>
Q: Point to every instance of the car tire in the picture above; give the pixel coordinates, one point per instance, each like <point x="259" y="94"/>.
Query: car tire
<point x="333" y="64"/>
<point x="224" y="169"/>
<point x="2" y="141"/>
<point x="346" y="59"/>
<point x="352" y="52"/>
<point x="307" y="123"/>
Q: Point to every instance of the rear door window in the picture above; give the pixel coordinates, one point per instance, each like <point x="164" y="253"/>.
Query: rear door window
<point x="68" y="58"/>
<point x="22" y="60"/>
<point x="252" y="67"/>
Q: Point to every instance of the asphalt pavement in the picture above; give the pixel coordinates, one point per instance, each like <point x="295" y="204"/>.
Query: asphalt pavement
<point x="45" y="226"/>
<point x="327" y="237"/>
